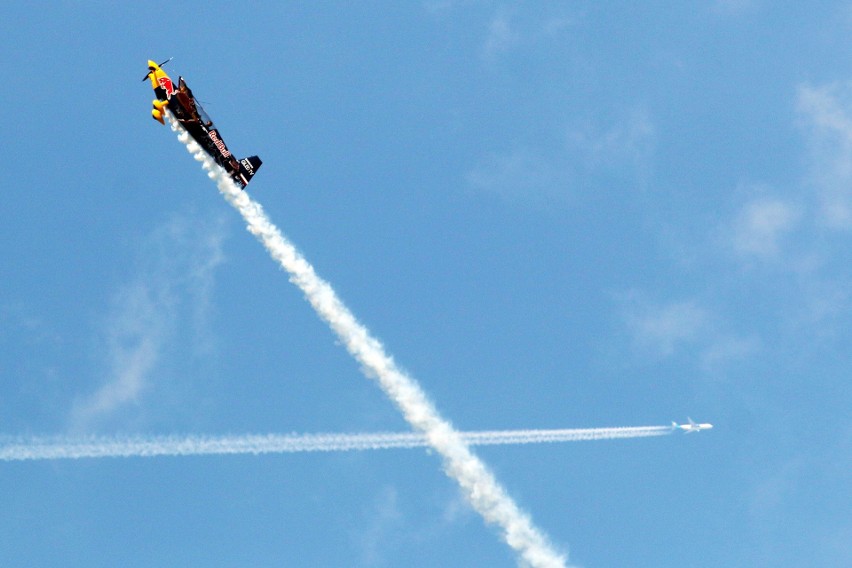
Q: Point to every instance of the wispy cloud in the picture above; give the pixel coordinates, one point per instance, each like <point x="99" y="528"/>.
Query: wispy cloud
<point x="171" y="289"/>
<point x="723" y="349"/>
<point x="761" y="225"/>
<point x="826" y="118"/>
<point x="19" y="319"/>
<point x="764" y="223"/>
<point x="798" y="233"/>
<point x="380" y="528"/>
<point x="540" y="175"/>
<point x="501" y="36"/>
<point x="627" y="143"/>
<point x="660" y="330"/>
<point x="525" y="175"/>
<point x="515" y="30"/>
<point x="136" y="332"/>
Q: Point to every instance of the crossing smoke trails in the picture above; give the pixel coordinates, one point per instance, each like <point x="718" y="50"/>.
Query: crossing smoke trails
<point x="101" y="447"/>
<point x="478" y="484"/>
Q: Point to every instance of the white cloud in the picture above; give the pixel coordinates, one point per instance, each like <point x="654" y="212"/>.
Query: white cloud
<point x="661" y="329"/>
<point x="554" y="26"/>
<point x="457" y="510"/>
<point x="516" y="29"/>
<point x="21" y="321"/>
<point x="500" y="36"/>
<point x="173" y="286"/>
<point x="797" y="236"/>
<point x="826" y="118"/>
<point x="533" y="175"/>
<point x="629" y="141"/>
<point x="439" y="6"/>
<point x="761" y="225"/>
<point x="380" y="528"/>
<point x="523" y="174"/>
<point x="823" y="310"/>
<point x="136" y="332"/>
<point x="725" y="348"/>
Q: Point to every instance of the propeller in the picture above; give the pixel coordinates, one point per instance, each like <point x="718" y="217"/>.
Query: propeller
<point x="161" y="64"/>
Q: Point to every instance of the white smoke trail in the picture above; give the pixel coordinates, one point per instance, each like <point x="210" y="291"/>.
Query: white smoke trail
<point x="28" y="449"/>
<point x="478" y="484"/>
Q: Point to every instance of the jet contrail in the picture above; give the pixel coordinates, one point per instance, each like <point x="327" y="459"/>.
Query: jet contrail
<point x="479" y="485"/>
<point x="56" y="448"/>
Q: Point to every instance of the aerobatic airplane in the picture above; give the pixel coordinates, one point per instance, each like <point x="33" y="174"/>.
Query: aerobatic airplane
<point x="692" y="426"/>
<point x="185" y="108"/>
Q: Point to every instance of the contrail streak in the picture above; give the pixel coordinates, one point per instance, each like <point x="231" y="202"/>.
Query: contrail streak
<point x="479" y="485"/>
<point x="56" y="448"/>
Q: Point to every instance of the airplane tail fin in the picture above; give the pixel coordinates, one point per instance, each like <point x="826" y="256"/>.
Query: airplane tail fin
<point x="249" y="167"/>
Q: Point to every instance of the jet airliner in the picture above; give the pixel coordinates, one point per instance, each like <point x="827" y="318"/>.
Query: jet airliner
<point x="692" y="426"/>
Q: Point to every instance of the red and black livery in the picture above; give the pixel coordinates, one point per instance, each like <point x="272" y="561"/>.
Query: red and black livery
<point x="185" y="108"/>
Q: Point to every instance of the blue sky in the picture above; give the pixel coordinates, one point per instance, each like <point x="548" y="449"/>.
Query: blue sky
<point x="553" y="215"/>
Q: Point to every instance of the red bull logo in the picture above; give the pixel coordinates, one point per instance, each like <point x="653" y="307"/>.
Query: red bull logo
<point x="214" y="136"/>
<point x="166" y="83"/>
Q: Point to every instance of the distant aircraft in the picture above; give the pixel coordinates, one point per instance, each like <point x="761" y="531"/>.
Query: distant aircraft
<point x="189" y="113"/>
<point x="692" y="426"/>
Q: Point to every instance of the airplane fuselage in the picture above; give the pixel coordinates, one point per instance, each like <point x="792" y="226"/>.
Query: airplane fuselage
<point x="692" y="426"/>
